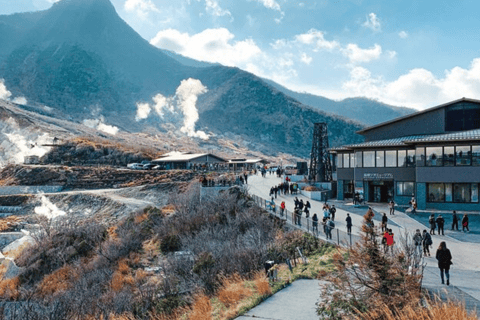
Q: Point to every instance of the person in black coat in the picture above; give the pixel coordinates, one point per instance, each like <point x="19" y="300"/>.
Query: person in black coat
<point x="454" y="220"/>
<point x="349" y="223"/>
<point x="444" y="258"/>
<point x="465" y="223"/>
<point x="440" y="222"/>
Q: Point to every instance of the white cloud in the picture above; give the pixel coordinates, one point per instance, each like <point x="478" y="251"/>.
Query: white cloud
<point x="4" y="93"/>
<point x="213" y="8"/>
<point x="356" y="54"/>
<point x="418" y="88"/>
<point x="141" y="7"/>
<point x="391" y="54"/>
<point x="143" y="110"/>
<point x="271" y="4"/>
<point x="403" y="34"/>
<point x="317" y="38"/>
<point x="212" y="45"/>
<point x="305" y="58"/>
<point x="372" y="22"/>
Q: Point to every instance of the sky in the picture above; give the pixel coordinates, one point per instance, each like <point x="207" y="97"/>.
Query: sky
<point x="402" y="52"/>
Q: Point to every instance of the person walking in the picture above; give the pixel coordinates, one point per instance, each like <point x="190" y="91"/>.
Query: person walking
<point x="440" y="222"/>
<point x="444" y="258"/>
<point x="329" y="226"/>
<point x="432" y="223"/>
<point x="465" y="223"/>
<point x="275" y="190"/>
<point x="296" y="202"/>
<point x="391" y="204"/>
<point x="301" y="205"/>
<point x="299" y="216"/>
<point x="454" y="220"/>
<point x="326" y="213"/>
<point x="348" y="220"/>
<point x="384" y="222"/>
<point x="427" y="242"/>
<point x="417" y="240"/>
<point x="390" y="240"/>
<point x="282" y="208"/>
<point x="315" y="224"/>
<point x="333" y="210"/>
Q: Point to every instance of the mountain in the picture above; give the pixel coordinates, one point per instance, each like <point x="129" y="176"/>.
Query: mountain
<point x="81" y="59"/>
<point x="364" y="110"/>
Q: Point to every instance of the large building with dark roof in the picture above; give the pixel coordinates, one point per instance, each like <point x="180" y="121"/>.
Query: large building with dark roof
<point x="432" y="155"/>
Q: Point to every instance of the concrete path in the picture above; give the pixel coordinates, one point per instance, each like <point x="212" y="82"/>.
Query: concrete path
<point x="465" y="271"/>
<point x="296" y="302"/>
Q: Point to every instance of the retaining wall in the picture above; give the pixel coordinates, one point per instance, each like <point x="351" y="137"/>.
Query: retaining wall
<point x="10" y="190"/>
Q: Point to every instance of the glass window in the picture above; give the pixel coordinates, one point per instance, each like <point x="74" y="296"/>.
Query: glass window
<point x="448" y="192"/>
<point x="436" y="192"/>
<point x="476" y="155"/>
<point x="358" y="159"/>
<point x="391" y="158"/>
<point x="405" y="189"/>
<point x="461" y="192"/>
<point x="380" y="159"/>
<point x="420" y="156"/>
<point x="402" y="158"/>
<point x="474" y="192"/>
<point x="368" y="159"/>
<point x="449" y="156"/>
<point x="339" y="158"/>
<point x="434" y="156"/>
<point x="463" y="155"/>
<point x="346" y="160"/>
<point x="352" y="160"/>
<point x="411" y="158"/>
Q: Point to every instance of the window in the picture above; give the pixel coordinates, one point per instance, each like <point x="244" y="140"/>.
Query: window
<point x="402" y="158"/>
<point x="463" y="156"/>
<point x="420" y="156"/>
<point x="352" y="160"/>
<point x="434" y="156"/>
<point x="346" y="160"/>
<point x="448" y="192"/>
<point x="474" y="197"/>
<point x="368" y="159"/>
<point x="358" y="159"/>
<point x="339" y="158"/>
<point x="406" y="189"/>
<point x="449" y="156"/>
<point x="476" y="155"/>
<point x="461" y="192"/>
<point x="380" y="159"/>
<point x="436" y="192"/>
<point x="391" y="158"/>
<point x="411" y="158"/>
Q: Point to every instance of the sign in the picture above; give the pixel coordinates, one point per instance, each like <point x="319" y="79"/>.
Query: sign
<point x="378" y="176"/>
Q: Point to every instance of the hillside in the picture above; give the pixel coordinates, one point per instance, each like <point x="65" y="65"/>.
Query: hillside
<point x="81" y="59"/>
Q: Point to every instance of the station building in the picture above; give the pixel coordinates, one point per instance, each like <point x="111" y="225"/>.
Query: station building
<point x="432" y="155"/>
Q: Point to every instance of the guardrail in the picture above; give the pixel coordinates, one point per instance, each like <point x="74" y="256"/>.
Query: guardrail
<point x="338" y="236"/>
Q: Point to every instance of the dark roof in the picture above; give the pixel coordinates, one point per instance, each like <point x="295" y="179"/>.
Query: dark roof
<point x="186" y="157"/>
<point x="449" y="137"/>
<point x="417" y="113"/>
<point x="394" y="142"/>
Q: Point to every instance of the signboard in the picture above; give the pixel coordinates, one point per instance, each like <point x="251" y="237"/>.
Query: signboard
<point x="378" y="176"/>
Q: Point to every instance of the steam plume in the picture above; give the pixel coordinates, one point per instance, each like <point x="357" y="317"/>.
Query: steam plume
<point x="48" y="209"/>
<point x="100" y="125"/>
<point x="4" y="93"/>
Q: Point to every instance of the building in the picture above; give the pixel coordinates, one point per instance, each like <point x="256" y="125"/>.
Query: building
<point x="184" y="160"/>
<point x="245" y="164"/>
<point x="432" y="155"/>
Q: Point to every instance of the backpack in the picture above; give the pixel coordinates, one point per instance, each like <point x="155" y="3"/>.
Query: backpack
<point x="429" y="241"/>
<point x="331" y="224"/>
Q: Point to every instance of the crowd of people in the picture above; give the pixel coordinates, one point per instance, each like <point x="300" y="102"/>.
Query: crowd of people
<point x="438" y="223"/>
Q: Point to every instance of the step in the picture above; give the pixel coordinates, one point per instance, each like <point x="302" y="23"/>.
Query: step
<point x="7" y="209"/>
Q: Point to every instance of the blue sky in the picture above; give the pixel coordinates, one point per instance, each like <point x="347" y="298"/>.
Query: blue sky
<point x="402" y="52"/>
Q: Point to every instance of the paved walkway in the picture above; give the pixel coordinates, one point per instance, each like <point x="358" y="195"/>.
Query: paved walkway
<point x="296" y="302"/>
<point x="465" y="271"/>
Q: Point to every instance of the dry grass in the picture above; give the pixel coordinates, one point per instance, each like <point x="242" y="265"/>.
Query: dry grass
<point x="58" y="281"/>
<point x="233" y="291"/>
<point x="202" y="308"/>
<point x="262" y="284"/>
<point x="15" y="253"/>
<point x="9" y="222"/>
<point x="311" y="188"/>
<point x="437" y="310"/>
<point x="168" y="210"/>
<point x="122" y="277"/>
<point x="140" y="218"/>
<point x="9" y="289"/>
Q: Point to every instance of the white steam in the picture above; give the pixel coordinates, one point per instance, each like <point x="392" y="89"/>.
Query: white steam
<point x="184" y="102"/>
<point x="20" y="100"/>
<point x="17" y="143"/>
<point x="4" y="93"/>
<point x="48" y="209"/>
<point x="99" y="124"/>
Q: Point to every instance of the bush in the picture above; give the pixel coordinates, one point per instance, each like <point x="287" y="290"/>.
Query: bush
<point x="170" y="243"/>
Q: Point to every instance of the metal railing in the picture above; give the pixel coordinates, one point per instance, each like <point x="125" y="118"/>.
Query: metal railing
<point x="338" y="236"/>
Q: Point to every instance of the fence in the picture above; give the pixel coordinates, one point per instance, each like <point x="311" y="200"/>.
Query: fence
<point x="339" y="237"/>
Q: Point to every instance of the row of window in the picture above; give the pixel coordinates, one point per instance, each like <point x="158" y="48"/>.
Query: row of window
<point x="452" y="192"/>
<point x="448" y="156"/>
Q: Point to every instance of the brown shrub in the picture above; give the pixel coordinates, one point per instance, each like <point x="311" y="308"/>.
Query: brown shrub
<point x="8" y="223"/>
<point x="122" y="277"/>
<point x="9" y="289"/>
<point x="262" y="284"/>
<point x="140" y="218"/>
<point x="202" y="308"/>
<point x="58" y="281"/>
<point x="233" y="290"/>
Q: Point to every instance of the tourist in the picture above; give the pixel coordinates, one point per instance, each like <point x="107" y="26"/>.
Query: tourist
<point x="299" y="216"/>
<point x="326" y="213"/>
<point x="301" y="205"/>
<point x="282" y="208"/>
<point x="433" y="225"/>
<point x="454" y="220"/>
<point x="465" y="223"/>
<point x="245" y="176"/>
<point x="391" y="204"/>
<point x="349" y="223"/>
<point x="440" y="222"/>
<point x="390" y="240"/>
<point x="275" y="191"/>
<point x="315" y="223"/>
<point x="296" y="202"/>
<point x="384" y="222"/>
<point x="329" y="226"/>
<point x="444" y="258"/>
<point x="427" y="242"/>
<point x="417" y="240"/>
<point x="333" y="210"/>
<point x="385" y="238"/>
